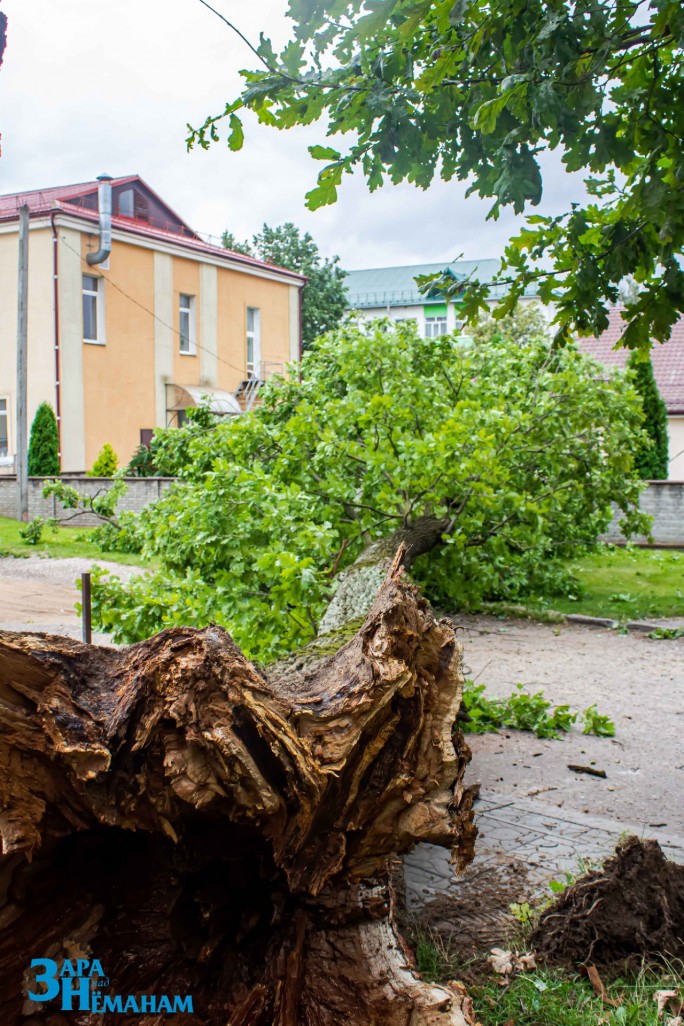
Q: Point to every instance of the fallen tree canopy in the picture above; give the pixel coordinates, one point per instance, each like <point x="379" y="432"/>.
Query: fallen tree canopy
<point x="203" y="829"/>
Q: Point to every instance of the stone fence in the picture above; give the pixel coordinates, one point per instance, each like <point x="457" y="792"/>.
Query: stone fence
<point x="141" y="492"/>
<point x="664" y="500"/>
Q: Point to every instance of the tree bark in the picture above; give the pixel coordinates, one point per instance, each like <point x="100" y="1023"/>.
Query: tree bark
<point x="357" y="586"/>
<point x="203" y="828"/>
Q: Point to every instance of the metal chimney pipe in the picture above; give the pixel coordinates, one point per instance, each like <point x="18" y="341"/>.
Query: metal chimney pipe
<point x="105" y="207"/>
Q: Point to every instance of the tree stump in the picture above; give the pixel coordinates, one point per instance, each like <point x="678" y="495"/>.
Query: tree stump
<point x="205" y="828"/>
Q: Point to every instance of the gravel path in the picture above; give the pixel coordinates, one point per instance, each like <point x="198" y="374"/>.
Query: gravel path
<point x="38" y="594"/>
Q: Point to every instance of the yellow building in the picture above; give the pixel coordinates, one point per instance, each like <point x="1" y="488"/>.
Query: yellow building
<point x="156" y="321"/>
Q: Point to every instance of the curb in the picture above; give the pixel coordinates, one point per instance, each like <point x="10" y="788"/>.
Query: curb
<point x="599" y="621"/>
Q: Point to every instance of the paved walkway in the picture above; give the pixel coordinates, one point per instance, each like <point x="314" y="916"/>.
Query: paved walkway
<point x="542" y="840"/>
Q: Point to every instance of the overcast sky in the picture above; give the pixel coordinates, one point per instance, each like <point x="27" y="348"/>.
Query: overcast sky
<point x="89" y="86"/>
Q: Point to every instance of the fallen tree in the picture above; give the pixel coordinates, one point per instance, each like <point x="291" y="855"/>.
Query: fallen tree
<point x="492" y="462"/>
<point x="202" y="828"/>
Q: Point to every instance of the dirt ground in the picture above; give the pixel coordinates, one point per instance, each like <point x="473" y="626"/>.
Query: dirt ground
<point x="38" y="594"/>
<point x="637" y="681"/>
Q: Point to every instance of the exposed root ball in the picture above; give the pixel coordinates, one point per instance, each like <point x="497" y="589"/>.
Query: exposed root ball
<point x="632" y="907"/>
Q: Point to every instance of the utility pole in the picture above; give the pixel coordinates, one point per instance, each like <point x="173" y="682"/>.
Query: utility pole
<point x="22" y="342"/>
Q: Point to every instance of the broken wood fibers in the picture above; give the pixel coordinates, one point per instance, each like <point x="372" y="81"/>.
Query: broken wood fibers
<point x="203" y="828"/>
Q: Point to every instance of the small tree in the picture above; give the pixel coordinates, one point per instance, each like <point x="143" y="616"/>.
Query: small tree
<point x="650" y="457"/>
<point x="43" y="453"/>
<point x="142" y="463"/>
<point x="106" y="464"/>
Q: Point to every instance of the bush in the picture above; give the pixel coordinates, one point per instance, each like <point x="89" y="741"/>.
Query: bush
<point x="142" y="463"/>
<point x="106" y="464"/>
<point x="43" y="451"/>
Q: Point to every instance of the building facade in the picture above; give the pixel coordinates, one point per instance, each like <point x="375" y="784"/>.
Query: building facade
<point x="392" y="292"/>
<point x="126" y="345"/>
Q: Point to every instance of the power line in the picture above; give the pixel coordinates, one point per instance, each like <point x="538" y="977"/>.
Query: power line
<point x="241" y="370"/>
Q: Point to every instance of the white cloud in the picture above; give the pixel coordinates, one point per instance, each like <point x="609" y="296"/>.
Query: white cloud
<point x="90" y="86"/>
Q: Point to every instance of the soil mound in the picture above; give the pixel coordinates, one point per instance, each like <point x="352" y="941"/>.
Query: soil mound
<point x="632" y="907"/>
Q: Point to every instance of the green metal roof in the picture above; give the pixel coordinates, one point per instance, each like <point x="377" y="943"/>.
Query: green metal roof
<point x="395" y="286"/>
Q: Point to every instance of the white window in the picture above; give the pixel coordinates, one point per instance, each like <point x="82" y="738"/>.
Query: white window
<point x="93" y="309"/>
<point x="4" y="435"/>
<point x="188" y="339"/>
<point x="253" y="342"/>
<point x="435" y="326"/>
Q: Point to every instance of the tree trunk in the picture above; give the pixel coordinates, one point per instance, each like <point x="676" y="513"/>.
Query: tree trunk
<point x="204" y="829"/>
<point x="358" y="585"/>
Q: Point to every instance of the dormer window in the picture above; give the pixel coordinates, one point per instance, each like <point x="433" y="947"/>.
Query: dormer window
<point x="131" y="203"/>
<point x="127" y="203"/>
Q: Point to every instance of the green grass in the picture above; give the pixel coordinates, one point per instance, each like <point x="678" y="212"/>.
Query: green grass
<point x="627" y="584"/>
<point x="546" y="997"/>
<point x="62" y="542"/>
<point x="563" y="999"/>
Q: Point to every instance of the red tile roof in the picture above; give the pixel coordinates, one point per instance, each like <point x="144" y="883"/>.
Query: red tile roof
<point x="42" y="202"/>
<point x="667" y="358"/>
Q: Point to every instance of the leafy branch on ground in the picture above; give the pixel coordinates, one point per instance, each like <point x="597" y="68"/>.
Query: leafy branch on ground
<point x="524" y="711"/>
<point x="102" y="503"/>
<point x="32" y="533"/>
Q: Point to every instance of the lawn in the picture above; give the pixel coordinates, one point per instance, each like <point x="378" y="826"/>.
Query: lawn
<point x="549" y="997"/>
<point x="626" y="584"/>
<point x="557" y="998"/>
<point x="62" y="542"/>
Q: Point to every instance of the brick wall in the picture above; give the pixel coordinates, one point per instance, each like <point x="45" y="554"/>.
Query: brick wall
<point x="141" y="492"/>
<point x="664" y="500"/>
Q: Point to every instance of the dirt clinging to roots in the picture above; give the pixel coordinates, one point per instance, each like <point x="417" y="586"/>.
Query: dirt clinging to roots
<point x="633" y="907"/>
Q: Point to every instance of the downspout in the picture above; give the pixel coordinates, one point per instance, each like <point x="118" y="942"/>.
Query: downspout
<point x="105" y="208"/>
<point x="55" y="303"/>
<point x="301" y="324"/>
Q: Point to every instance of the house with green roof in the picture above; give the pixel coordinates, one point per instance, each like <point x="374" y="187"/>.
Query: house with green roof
<point x="392" y="292"/>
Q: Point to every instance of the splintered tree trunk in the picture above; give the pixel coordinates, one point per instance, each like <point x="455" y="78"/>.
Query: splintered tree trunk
<point x="202" y="828"/>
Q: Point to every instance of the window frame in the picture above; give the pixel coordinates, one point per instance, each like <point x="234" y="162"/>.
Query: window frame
<point x="98" y="295"/>
<point x="253" y="366"/>
<point x="190" y="310"/>
<point x="431" y="322"/>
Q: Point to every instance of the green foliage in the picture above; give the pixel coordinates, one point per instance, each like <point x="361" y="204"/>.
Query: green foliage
<point x="517" y="450"/>
<point x="324" y="297"/>
<point x="142" y="463"/>
<point x="526" y="321"/>
<point x="523" y="711"/>
<point x="32" y="533"/>
<point x="560" y="998"/>
<point x="102" y="504"/>
<point x="43" y="450"/>
<point x="651" y="456"/>
<point x="229" y="241"/>
<point x="666" y="634"/>
<point x="476" y="91"/>
<point x="595" y="723"/>
<point x="106" y="464"/>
